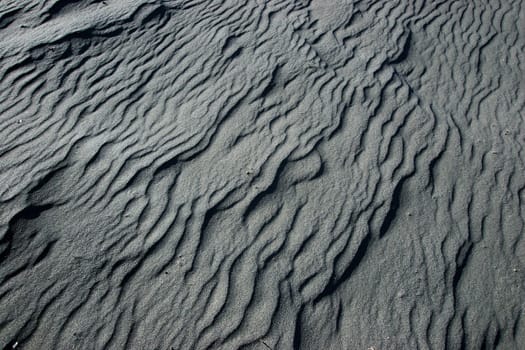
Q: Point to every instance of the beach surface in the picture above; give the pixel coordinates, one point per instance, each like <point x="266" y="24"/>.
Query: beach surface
<point x="262" y="174"/>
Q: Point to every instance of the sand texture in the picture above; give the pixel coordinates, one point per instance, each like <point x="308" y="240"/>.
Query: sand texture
<point x="262" y="174"/>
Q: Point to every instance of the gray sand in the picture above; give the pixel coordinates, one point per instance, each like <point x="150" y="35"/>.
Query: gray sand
<point x="262" y="174"/>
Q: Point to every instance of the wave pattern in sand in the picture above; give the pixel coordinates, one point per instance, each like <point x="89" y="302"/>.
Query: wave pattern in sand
<point x="262" y="174"/>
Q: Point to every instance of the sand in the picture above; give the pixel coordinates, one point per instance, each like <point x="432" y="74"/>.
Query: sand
<point x="262" y="174"/>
